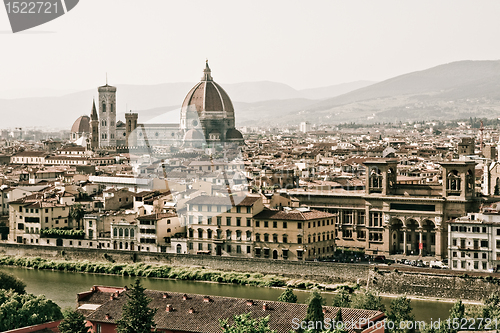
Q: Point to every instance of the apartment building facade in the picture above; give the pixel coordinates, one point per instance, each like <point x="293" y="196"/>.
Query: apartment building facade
<point x="474" y="242"/>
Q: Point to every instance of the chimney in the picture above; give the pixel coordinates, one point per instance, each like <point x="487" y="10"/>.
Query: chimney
<point x="125" y="288"/>
<point x="191" y="310"/>
<point x="117" y="294"/>
<point x="324" y="310"/>
<point x="249" y="302"/>
<point x="111" y="297"/>
<point x="265" y="307"/>
<point x="108" y="317"/>
<point x="169" y="308"/>
<point x="206" y="299"/>
<point x="184" y="297"/>
<point x="165" y="295"/>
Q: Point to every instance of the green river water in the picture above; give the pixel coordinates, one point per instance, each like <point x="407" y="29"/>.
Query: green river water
<point x="62" y="287"/>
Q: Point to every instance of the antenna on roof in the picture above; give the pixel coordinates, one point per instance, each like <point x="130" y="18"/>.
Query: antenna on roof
<point x="106" y="78"/>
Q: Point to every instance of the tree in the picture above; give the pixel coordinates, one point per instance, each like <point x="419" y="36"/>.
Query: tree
<point x="288" y="296"/>
<point x="18" y="310"/>
<point x="315" y="316"/>
<point x="367" y="301"/>
<point x="136" y="317"/>
<point x="73" y="322"/>
<point x="342" y="299"/>
<point x="9" y="281"/>
<point x="76" y="213"/>
<point x="401" y="311"/>
<point x="244" y="323"/>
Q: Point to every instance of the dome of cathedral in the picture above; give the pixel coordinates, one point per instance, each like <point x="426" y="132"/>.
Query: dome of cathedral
<point x="81" y="125"/>
<point x="207" y="96"/>
<point x="233" y="134"/>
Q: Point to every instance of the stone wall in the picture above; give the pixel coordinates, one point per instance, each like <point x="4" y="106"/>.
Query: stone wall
<point x="319" y="271"/>
<point x="433" y="284"/>
<point x="388" y="279"/>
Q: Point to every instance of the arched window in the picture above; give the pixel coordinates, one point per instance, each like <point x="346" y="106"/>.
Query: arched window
<point x="209" y="233"/>
<point x="375" y="179"/>
<point x="111" y="107"/>
<point x="114" y="232"/>
<point x="219" y="234"/>
<point x="453" y="183"/>
<point x="469" y="180"/>
<point x="228" y="234"/>
<point x="238" y="235"/>
<point x="120" y="232"/>
<point x="169" y="230"/>
<point x="103" y="107"/>
<point x="200" y="233"/>
<point x="126" y="232"/>
<point x="249" y="235"/>
<point x="126" y="245"/>
<point x="191" y="233"/>
<point x="131" y="232"/>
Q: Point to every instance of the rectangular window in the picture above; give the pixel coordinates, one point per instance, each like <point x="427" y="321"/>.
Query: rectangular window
<point x="200" y="219"/>
<point x="266" y="224"/>
<point x="361" y="217"/>
<point x="249" y="249"/>
<point x="275" y="224"/>
<point x="229" y="249"/>
<point x="299" y="225"/>
<point x="238" y="209"/>
<point x="238" y="248"/>
<point x="228" y="221"/>
<point x="249" y="210"/>
<point x="375" y="219"/>
<point x="238" y="221"/>
<point x="257" y="224"/>
<point x="484" y="243"/>
<point x="285" y="225"/>
<point x="249" y="222"/>
<point x="285" y="239"/>
<point x="219" y="220"/>
<point x="200" y="246"/>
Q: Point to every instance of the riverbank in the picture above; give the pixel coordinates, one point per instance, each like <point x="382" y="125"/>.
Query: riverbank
<point x="163" y="271"/>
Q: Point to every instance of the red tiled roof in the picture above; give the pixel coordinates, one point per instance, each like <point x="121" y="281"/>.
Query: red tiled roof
<point x="292" y="215"/>
<point x="208" y="310"/>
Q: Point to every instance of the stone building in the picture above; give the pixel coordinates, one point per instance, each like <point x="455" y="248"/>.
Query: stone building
<point x="391" y="218"/>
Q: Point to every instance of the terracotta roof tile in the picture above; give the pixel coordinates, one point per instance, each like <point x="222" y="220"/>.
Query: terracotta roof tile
<point x="206" y="315"/>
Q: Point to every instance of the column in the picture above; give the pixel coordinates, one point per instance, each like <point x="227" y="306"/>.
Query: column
<point x="404" y="241"/>
<point x="419" y="242"/>
<point x="439" y="254"/>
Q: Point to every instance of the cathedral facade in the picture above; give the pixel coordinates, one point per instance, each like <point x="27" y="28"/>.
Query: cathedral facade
<point x="207" y="119"/>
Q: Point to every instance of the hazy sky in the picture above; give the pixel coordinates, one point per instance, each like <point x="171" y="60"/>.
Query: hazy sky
<point x="301" y="43"/>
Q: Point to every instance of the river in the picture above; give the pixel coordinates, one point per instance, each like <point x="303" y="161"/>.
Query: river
<point x="62" y="287"/>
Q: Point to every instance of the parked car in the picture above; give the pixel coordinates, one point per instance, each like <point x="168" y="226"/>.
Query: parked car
<point x="437" y="264"/>
<point x="379" y="259"/>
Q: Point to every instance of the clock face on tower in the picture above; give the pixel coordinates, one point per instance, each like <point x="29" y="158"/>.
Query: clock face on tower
<point x="194" y="122"/>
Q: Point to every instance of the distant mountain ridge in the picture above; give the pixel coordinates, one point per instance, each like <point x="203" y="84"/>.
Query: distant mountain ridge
<point x="150" y="101"/>
<point x="450" y="91"/>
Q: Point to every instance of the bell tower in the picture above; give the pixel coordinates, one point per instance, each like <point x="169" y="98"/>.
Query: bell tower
<point x="381" y="177"/>
<point x="131" y="126"/>
<point x="94" y="128"/>
<point x="107" y="116"/>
